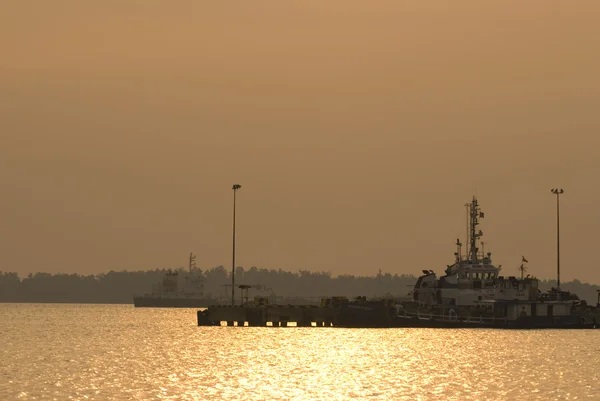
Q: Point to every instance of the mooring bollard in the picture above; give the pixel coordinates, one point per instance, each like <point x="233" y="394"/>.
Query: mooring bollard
<point x="203" y="319"/>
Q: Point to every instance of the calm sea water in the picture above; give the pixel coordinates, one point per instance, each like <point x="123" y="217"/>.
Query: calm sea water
<point x="117" y="352"/>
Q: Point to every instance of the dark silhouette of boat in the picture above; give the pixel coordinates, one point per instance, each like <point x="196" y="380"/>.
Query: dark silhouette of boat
<point x="473" y="293"/>
<point x="177" y="290"/>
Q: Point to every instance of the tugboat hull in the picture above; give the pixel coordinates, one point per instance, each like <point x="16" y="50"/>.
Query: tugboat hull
<point x="510" y="315"/>
<point x="521" y="323"/>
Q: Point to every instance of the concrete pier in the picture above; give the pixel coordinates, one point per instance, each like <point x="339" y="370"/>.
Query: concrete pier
<point x="261" y="316"/>
<point x="329" y="314"/>
<point x="383" y="313"/>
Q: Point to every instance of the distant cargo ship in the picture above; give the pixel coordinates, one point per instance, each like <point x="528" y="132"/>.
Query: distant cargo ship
<point x="177" y="291"/>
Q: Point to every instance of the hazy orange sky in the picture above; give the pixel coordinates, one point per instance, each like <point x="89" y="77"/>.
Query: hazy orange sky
<point x="358" y="131"/>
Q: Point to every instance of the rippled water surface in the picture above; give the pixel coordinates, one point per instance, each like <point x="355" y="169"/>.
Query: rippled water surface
<point x="117" y="352"/>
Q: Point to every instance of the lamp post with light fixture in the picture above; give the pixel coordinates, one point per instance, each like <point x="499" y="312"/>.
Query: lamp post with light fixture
<point x="557" y="192"/>
<point x="235" y="189"/>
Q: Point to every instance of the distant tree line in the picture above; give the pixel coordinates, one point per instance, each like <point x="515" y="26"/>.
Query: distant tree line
<point x="112" y="287"/>
<point x="119" y="287"/>
<point x="585" y="291"/>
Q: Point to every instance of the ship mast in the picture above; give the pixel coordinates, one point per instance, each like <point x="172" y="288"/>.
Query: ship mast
<point x="468" y="234"/>
<point x="192" y="264"/>
<point x="474" y="234"/>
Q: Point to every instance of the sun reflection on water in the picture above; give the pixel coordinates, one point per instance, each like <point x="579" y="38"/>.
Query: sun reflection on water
<point x="118" y="352"/>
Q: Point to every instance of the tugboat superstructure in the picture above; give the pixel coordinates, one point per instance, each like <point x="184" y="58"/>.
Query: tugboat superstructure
<point x="473" y="292"/>
<point x="472" y="277"/>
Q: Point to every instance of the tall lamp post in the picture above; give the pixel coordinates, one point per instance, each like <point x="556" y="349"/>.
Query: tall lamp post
<point x="235" y="189"/>
<point x="557" y="192"/>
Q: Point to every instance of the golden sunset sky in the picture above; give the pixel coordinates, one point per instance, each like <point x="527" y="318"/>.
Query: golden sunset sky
<point x="357" y="129"/>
